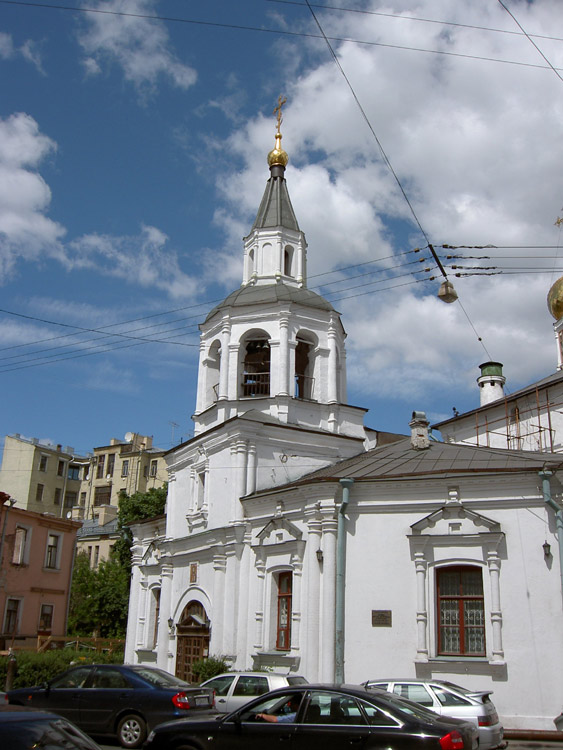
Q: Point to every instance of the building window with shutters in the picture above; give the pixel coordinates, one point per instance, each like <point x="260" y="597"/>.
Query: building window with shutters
<point x="461" y="611"/>
<point x="283" y="622"/>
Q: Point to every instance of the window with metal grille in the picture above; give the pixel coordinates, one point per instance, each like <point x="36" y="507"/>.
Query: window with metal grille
<point x="461" y="611"/>
<point x="283" y="630"/>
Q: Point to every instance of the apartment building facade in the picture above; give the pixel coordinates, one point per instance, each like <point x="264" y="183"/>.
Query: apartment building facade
<point x="41" y="477"/>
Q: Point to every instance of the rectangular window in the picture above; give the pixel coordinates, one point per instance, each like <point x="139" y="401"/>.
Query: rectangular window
<point x="61" y="469"/>
<point x="125" y="468"/>
<point x="71" y="499"/>
<point x="82" y="499"/>
<point x="20" y="546"/>
<point x="73" y="472"/>
<point x="51" y="558"/>
<point x="43" y="463"/>
<point x="461" y="611"/>
<point x="102" y="496"/>
<point x="39" y="493"/>
<point x="96" y="555"/>
<point x="283" y="631"/>
<point x="57" y="498"/>
<point x="111" y="464"/>
<point x="46" y="618"/>
<point x="100" y="469"/>
<point x="154" y="467"/>
<point x="11" y="617"/>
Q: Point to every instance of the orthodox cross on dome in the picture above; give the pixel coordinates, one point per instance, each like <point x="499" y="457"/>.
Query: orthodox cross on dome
<point x="278" y="110"/>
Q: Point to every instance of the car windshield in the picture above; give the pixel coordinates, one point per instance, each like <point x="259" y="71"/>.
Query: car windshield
<point x="160" y="678"/>
<point x="47" y="734"/>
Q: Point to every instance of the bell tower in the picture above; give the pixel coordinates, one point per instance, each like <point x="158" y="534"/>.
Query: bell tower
<point x="273" y="346"/>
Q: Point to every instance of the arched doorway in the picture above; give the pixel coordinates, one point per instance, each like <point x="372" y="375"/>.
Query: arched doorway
<point x="192" y="633"/>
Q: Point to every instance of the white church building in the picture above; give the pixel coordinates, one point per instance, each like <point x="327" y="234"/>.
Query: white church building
<point x="297" y="539"/>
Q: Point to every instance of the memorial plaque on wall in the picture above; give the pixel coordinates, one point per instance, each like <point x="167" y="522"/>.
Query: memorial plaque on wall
<point x="381" y="618"/>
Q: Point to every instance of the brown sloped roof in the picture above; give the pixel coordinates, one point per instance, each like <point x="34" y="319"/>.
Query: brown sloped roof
<point x="399" y="459"/>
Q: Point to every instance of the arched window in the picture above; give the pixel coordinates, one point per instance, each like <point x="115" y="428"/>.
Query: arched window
<point x="256" y="368"/>
<point x="212" y="373"/>
<point x="461" y="611"/>
<point x="287" y="260"/>
<point x="304" y="367"/>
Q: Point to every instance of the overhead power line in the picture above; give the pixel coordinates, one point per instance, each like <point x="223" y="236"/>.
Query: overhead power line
<point x="264" y="30"/>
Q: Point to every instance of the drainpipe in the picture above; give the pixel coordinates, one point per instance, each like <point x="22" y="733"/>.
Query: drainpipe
<point x="545" y="476"/>
<point x="341" y="582"/>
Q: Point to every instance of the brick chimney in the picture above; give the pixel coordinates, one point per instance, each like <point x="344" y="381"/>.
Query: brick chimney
<point x="419" y="431"/>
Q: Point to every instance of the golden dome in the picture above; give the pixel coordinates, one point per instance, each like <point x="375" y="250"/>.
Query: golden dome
<point x="555" y="299"/>
<point x="277" y="156"/>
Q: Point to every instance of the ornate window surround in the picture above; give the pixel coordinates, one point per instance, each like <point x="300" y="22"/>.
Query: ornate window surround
<point x="455" y="535"/>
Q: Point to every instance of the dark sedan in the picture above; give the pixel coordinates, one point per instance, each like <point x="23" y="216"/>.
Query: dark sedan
<point x="23" y="728"/>
<point x="320" y="716"/>
<point x="125" y="701"/>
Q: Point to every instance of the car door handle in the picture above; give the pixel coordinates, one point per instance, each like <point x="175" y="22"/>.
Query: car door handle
<point x="221" y="700"/>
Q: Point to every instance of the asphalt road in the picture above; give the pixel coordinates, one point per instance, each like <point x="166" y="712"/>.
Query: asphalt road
<point x="512" y="745"/>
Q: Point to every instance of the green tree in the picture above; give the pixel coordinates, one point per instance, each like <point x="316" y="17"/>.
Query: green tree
<point x="99" y="598"/>
<point x="132" y="508"/>
<point x="81" y="615"/>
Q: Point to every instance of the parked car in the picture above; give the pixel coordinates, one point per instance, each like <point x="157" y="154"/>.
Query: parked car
<point x="125" y="701"/>
<point x="234" y="689"/>
<point x="327" y="717"/>
<point x="448" y="699"/>
<point x="22" y="728"/>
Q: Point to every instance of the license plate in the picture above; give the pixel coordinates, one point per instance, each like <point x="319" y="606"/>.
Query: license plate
<point x="202" y="701"/>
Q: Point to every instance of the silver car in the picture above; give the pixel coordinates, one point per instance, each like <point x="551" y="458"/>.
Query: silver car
<point x="234" y="689"/>
<point x="448" y="699"/>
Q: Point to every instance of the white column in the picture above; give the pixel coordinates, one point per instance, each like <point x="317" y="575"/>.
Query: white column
<point x="493" y="561"/>
<point x="201" y="378"/>
<point x="239" y="462"/>
<point x="224" y="364"/>
<point x="163" y="634"/>
<point x="329" y="600"/>
<point x="421" y="609"/>
<point x="251" y="470"/>
<point x="332" y="363"/>
<point x="312" y="633"/>
<point x="297" y="603"/>
<point x="134" y="595"/>
<point x="260" y="566"/>
<point x="243" y="613"/>
<point x="219" y="568"/>
<point x="284" y="378"/>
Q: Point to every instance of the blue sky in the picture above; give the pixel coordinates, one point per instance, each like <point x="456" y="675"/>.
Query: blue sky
<point x="133" y="158"/>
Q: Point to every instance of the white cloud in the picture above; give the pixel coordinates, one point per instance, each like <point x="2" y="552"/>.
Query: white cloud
<point x="6" y="46"/>
<point x="140" y="46"/>
<point x="25" y="230"/>
<point x="28" y="50"/>
<point x="143" y="260"/>
<point x="477" y="146"/>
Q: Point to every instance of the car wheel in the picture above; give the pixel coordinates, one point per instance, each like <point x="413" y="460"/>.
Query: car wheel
<point x="131" y="731"/>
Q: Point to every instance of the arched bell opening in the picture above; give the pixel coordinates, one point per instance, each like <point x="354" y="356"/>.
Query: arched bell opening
<point x="255" y="380"/>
